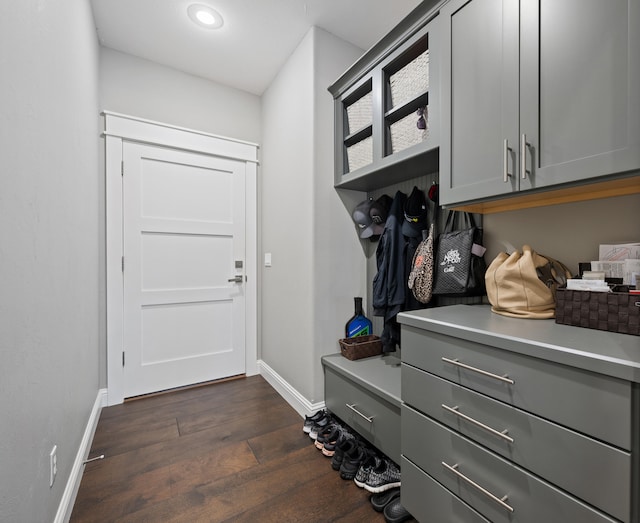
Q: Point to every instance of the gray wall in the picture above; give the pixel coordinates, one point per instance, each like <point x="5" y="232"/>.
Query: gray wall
<point x="49" y="248"/>
<point x="318" y="265"/>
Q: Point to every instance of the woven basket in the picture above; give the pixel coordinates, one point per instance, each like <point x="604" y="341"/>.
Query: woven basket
<point x="360" y="113"/>
<point x="410" y="81"/>
<point x="608" y="311"/>
<point x="360" y="347"/>
<point x="360" y="154"/>
<point x="405" y="132"/>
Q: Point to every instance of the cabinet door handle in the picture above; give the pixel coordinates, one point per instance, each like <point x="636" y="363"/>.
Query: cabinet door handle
<point x="524" y="145"/>
<point x="353" y="408"/>
<point x="455" y="410"/>
<point x="500" y="501"/>
<point x="457" y="363"/>
<point x="505" y="161"/>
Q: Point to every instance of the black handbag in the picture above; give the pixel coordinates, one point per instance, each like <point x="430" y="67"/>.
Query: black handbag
<point x="459" y="266"/>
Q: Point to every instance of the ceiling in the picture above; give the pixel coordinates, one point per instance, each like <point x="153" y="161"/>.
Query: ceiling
<point x="255" y="41"/>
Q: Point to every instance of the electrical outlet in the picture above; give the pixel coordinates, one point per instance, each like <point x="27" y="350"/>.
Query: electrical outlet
<point x="53" y="465"/>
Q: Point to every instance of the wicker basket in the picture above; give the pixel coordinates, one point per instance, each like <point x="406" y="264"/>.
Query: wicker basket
<point x="360" y="347"/>
<point x="608" y="311"/>
<point x="360" y="154"/>
<point x="410" y="81"/>
<point x="405" y="132"/>
<point x="360" y="113"/>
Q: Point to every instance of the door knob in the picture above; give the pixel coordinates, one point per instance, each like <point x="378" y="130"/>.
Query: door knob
<point x="236" y="279"/>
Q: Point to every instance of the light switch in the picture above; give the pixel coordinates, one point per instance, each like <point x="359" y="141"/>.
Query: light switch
<point x="267" y="259"/>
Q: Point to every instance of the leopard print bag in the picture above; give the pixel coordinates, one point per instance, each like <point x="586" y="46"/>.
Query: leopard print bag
<point x="421" y="276"/>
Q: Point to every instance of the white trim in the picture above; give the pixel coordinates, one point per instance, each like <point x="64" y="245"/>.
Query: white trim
<point x="301" y="405"/>
<point x="73" y="483"/>
<point x="120" y="128"/>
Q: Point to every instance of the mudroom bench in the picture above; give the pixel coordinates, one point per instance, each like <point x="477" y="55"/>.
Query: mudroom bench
<point x="365" y="394"/>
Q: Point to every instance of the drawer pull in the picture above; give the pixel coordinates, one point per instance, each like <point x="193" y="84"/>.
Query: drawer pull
<point x="457" y="363"/>
<point x="499" y="501"/>
<point x="353" y="408"/>
<point x="455" y="410"/>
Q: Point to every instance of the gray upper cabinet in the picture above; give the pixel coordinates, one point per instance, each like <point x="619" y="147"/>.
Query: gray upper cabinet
<point x="537" y="93"/>
<point x="387" y="107"/>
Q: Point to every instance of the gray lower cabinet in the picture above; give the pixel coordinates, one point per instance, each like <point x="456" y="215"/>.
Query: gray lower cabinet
<point x="536" y="94"/>
<point x="500" y="431"/>
<point x="365" y="394"/>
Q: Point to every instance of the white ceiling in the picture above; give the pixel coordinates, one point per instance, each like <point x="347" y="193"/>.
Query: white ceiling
<point x="255" y="41"/>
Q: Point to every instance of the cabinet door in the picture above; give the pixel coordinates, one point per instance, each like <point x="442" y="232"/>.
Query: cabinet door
<point x="580" y="79"/>
<point x="479" y="99"/>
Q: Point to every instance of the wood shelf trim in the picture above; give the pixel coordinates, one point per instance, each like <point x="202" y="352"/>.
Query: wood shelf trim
<point x="593" y="191"/>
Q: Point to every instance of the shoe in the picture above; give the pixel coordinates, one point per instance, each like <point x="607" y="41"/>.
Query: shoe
<point x="330" y="446"/>
<point x="382" y="499"/>
<point x="326" y="434"/>
<point x="342" y="447"/>
<point x="310" y="420"/>
<point x="383" y="477"/>
<point x="365" y="469"/>
<point x="352" y="461"/>
<point x="394" y="512"/>
<point x="320" y="424"/>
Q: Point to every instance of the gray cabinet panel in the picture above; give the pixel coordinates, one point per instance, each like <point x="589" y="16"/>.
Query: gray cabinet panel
<point x="548" y="450"/>
<point x="566" y="395"/>
<point x="430" y="502"/>
<point x="431" y="445"/>
<point x="353" y="404"/>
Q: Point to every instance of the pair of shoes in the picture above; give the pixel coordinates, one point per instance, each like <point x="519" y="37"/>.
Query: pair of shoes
<point x="394" y="512"/>
<point x="384" y="476"/>
<point x="353" y="458"/>
<point x="365" y="469"/>
<point x="309" y="421"/>
<point x="331" y="443"/>
<point x="328" y="433"/>
<point x="382" y="499"/>
<point x="339" y="451"/>
<point x="319" y="425"/>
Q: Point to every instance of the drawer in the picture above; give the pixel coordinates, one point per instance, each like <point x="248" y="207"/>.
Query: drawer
<point x="433" y="447"/>
<point x="559" y="455"/>
<point x="374" y="418"/>
<point x="591" y="403"/>
<point x="430" y="502"/>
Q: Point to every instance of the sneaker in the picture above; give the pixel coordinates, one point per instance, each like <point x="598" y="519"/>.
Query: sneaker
<point x="383" y="477"/>
<point x="327" y="433"/>
<point x="352" y="461"/>
<point x="310" y="420"/>
<point x="329" y="448"/>
<point x="341" y="448"/>
<point x="319" y="425"/>
<point x="365" y="469"/>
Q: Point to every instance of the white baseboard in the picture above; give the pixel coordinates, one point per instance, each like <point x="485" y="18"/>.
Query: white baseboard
<point x="73" y="483"/>
<point x="290" y="394"/>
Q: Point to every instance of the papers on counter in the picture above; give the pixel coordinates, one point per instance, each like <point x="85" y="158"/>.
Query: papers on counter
<point x="588" y="285"/>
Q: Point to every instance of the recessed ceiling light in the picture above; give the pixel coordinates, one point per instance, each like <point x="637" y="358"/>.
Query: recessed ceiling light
<point x="205" y="16"/>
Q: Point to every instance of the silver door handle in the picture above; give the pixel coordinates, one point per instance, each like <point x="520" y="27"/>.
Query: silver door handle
<point x="457" y="363"/>
<point x="353" y="408"/>
<point x="493" y="497"/>
<point x="455" y="410"/>
<point x="237" y="279"/>
<point x="505" y="161"/>
<point x="523" y="156"/>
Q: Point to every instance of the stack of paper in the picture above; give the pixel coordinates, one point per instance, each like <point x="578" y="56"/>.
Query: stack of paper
<point x="619" y="261"/>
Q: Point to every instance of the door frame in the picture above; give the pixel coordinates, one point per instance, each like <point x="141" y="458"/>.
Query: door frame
<point x="120" y="128"/>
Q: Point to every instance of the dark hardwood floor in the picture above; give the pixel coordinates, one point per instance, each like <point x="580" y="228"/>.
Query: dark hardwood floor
<point x="230" y="451"/>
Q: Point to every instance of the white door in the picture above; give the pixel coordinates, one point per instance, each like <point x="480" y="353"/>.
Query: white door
<point x="184" y="239"/>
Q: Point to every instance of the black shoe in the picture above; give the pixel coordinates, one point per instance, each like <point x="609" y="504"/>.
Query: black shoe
<point x="365" y="469"/>
<point x="352" y="461"/>
<point x="310" y="420"/>
<point x="382" y="499"/>
<point x="330" y="446"/>
<point x="342" y="447"/>
<point x="326" y="434"/>
<point x="394" y="512"/>
<point x="385" y="476"/>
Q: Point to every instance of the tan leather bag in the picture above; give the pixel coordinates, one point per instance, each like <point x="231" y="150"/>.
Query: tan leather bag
<point x="523" y="284"/>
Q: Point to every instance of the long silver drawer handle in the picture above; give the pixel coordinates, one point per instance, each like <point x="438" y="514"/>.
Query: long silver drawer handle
<point x="353" y="408"/>
<point x="457" y="363"/>
<point x="503" y="434"/>
<point x="499" y="501"/>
